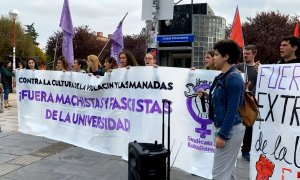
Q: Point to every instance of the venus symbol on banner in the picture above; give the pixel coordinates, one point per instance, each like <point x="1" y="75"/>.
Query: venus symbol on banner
<point x="199" y="114"/>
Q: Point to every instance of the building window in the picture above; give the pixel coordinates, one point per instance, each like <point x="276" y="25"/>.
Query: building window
<point x="209" y="30"/>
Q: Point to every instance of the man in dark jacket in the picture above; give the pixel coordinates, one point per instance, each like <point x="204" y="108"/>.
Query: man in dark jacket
<point x="249" y="53"/>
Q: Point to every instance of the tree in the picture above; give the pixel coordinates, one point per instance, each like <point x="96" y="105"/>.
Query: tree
<point x="30" y="30"/>
<point x="53" y="47"/>
<point x="86" y="42"/>
<point x="40" y="54"/>
<point x="24" y="43"/>
<point x="266" y="31"/>
<point x="136" y="44"/>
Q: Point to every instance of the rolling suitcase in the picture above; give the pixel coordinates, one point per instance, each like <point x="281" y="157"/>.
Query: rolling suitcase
<point x="149" y="161"/>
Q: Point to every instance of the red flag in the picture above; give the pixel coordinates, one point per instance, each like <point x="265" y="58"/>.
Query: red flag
<point x="296" y="31"/>
<point x="236" y="33"/>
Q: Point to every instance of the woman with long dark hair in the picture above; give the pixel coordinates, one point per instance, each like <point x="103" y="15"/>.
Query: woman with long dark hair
<point x="110" y="63"/>
<point x="127" y="59"/>
<point x="31" y="64"/>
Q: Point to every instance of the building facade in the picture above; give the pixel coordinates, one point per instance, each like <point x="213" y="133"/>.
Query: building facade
<point x="183" y="41"/>
<point x="207" y="30"/>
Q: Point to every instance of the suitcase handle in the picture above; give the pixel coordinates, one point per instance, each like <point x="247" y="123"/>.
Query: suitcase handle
<point x="163" y="131"/>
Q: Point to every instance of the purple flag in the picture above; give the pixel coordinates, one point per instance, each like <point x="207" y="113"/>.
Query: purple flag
<point x="117" y="43"/>
<point x="68" y="33"/>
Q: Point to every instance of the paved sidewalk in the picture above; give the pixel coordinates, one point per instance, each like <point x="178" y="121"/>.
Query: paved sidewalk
<point x="29" y="157"/>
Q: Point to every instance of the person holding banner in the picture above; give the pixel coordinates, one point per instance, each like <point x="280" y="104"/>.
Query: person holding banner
<point x="150" y="60"/>
<point x="94" y="66"/>
<point x="290" y="50"/>
<point x="127" y="59"/>
<point x="225" y="97"/>
<point x="62" y="64"/>
<point x="31" y="64"/>
<point x="110" y="63"/>
<point x="21" y="65"/>
<point x="250" y="52"/>
<point x="208" y="60"/>
<point x="78" y="65"/>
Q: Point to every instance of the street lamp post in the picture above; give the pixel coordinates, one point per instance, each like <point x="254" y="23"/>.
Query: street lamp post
<point x="13" y="14"/>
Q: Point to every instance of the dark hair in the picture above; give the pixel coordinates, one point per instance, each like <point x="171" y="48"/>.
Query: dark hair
<point x="6" y="63"/>
<point x="81" y="62"/>
<point x="140" y="62"/>
<point x="230" y="48"/>
<point x="23" y="64"/>
<point x="112" y="61"/>
<point x="251" y="47"/>
<point x="131" y="61"/>
<point x="35" y="64"/>
<point x="294" y="41"/>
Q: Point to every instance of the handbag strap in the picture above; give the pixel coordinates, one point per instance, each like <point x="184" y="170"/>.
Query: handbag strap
<point x="246" y="75"/>
<point x="245" y="72"/>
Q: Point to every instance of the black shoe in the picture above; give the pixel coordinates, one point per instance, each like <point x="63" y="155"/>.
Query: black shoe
<point x="246" y="155"/>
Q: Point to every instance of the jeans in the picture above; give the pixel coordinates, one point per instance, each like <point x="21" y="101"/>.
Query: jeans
<point x="6" y="92"/>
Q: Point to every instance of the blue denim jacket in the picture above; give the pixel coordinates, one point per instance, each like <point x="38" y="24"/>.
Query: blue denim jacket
<point x="225" y="97"/>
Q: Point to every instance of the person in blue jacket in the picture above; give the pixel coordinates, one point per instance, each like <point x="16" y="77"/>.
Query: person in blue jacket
<point x="225" y="97"/>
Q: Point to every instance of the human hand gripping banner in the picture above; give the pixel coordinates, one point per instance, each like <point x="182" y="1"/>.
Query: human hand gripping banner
<point x="275" y="150"/>
<point x="105" y="114"/>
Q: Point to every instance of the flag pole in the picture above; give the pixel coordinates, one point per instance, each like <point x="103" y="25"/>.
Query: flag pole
<point x="55" y="49"/>
<point x="103" y="48"/>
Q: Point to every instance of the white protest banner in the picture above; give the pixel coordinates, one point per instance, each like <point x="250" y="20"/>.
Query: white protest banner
<point x="105" y="114"/>
<point x="275" y="141"/>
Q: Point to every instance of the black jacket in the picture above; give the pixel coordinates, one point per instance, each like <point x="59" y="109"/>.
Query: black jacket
<point x="6" y="77"/>
<point x="297" y="60"/>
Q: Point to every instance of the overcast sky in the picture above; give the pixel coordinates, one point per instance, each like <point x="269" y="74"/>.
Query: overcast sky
<point x="104" y="15"/>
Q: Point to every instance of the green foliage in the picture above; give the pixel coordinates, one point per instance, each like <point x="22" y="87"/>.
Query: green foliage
<point x="51" y="49"/>
<point x="5" y="37"/>
<point x="30" y="30"/>
<point x="24" y="43"/>
<point x="136" y="44"/>
<point x="39" y="53"/>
